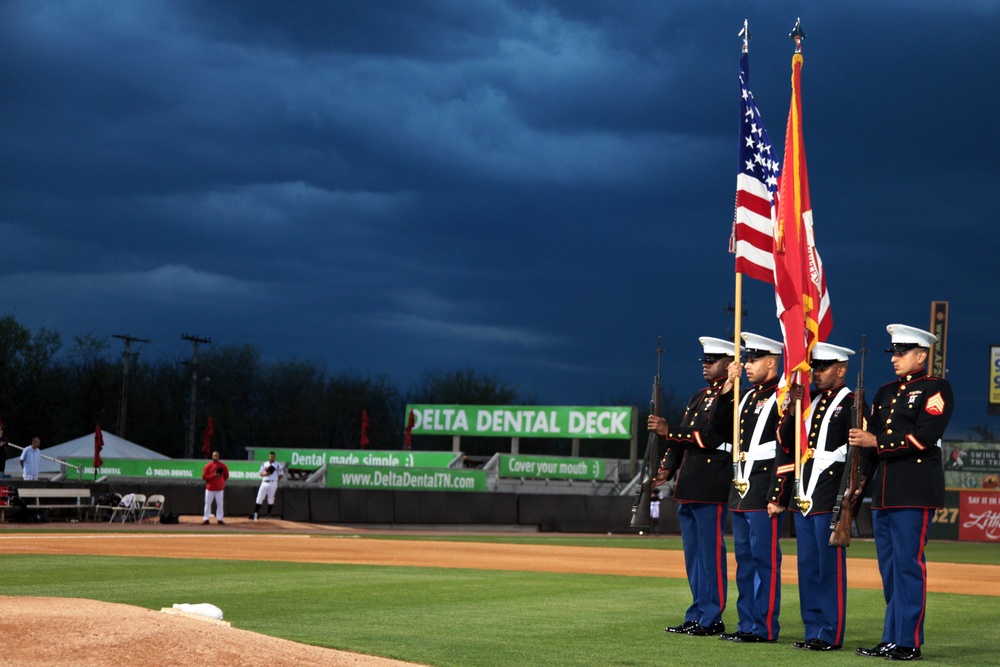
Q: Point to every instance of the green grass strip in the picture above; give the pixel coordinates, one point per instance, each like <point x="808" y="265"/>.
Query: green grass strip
<point x="477" y="618"/>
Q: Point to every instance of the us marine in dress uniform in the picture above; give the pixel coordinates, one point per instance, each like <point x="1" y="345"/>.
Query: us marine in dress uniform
<point x="822" y="568"/>
<point x="756" y="526"/>
<point x="699" y="455"/>
<point x="903" y="445"/>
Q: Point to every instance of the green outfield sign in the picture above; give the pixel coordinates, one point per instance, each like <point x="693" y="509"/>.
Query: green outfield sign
<point x="521" y="421"/>
<point x="971" y="465"/>
<point x="542" y="467"/>
<point x="160" y="469"/>
<point x="317" y="458"/>
<point x="405" y="479"/>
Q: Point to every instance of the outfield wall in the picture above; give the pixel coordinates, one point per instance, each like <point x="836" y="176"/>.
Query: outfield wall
<point x="360" y="507"/>
<point x="545" y="512"/>
<point x="383" y="508"/>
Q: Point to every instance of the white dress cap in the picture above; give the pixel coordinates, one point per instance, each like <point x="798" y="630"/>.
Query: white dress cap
<point x="717" y="346"/>
<point x="759" y="346"/>
<point x="912" y="336"/>
<point x="827" y="352"/>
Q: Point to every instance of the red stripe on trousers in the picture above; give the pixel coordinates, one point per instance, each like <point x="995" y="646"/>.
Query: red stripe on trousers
<point x="719" y="557"/>
<point x="841" y="602"/>
<point x="774" y="577"/>
<point x="923" y="572"/>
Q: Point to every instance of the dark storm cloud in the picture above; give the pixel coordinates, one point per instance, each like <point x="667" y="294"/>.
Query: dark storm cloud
<point x="532" y="188"/>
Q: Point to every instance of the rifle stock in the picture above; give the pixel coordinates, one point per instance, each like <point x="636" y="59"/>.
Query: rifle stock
<point x="651" y="459"/>
<point x="843" y="510"/>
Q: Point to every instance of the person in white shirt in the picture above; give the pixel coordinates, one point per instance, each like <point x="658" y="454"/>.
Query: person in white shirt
<point x="31" y="459"/>
<point x="270" y="471"/>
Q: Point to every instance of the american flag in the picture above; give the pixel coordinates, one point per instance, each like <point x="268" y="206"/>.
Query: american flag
<point x="752" y="238"/>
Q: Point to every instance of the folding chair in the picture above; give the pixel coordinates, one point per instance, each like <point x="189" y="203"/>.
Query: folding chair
<point x="130" y="507"/>
<point x="152" y="507"/>
<point x="123" y="508"/>
<point x="134" y="513"/>
<point x="100" y="511"/>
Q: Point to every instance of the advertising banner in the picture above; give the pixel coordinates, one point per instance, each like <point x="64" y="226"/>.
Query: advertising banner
<point x="971" y="465"/>
<point x="317" y="458"/>
<point x="979" y="516"/>
<point x="937" y="364"/>
<point x="541" y="467"/>
<point x="522" y="421"/>
<point x="944" y="524"/>
<point x="159" y="469"/>
<point x="993" y="406"/>
<point x="405" y="479"/>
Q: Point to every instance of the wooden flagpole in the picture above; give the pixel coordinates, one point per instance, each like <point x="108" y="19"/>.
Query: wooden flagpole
<point x="737" y="324"/>
<point x="798" y="499"/>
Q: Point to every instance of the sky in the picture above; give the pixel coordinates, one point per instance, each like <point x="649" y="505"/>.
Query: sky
<point x="535" y="190"/>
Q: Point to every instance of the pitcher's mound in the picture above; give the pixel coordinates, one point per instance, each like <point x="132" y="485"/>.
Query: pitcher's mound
<point x="69" y="631"/>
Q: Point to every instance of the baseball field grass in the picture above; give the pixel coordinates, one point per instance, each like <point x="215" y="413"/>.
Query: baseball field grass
<point x="468" y="618"/>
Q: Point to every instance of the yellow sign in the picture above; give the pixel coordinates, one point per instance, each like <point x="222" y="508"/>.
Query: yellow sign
<point x="939" y="327"/>
<point x="994" y="406"/>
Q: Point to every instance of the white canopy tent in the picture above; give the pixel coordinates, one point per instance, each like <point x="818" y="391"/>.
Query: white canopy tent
<point x="82" y="447"/>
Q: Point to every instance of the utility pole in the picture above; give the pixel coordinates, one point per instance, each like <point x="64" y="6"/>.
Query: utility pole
<point x="122" y="405"/>
<point x="189" y="445"/>
<point x="730" y="309"/>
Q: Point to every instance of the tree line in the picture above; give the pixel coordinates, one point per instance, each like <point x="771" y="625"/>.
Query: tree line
<point x="61" y="391"/>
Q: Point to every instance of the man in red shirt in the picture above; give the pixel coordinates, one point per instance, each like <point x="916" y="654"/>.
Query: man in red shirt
<point x="215" y="475"/>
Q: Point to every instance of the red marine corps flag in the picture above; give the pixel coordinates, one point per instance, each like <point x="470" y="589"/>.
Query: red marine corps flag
<point x="408" y="431"/>
<point x="206" y="443"/>
<point x="98" y="446"/>
<point x="799" y="284"/>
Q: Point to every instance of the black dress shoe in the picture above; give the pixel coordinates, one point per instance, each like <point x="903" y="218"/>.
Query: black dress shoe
<point x="682" y="628"/>
<point x="730" y="636"/>
<point x="880" y="651"/>
<point x="700" y="630"/>
<point x="904" y="653"/>
<point x="804" y="644"/>
<point x="751" y="638"/>
<point x="820" y="645"/>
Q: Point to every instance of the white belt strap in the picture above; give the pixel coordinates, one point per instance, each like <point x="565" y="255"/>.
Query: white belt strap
<point x="823" y="459"/>
<point x="761" y="452"/>
<point x="757" y="451"/>
<point x="838" y="455"/>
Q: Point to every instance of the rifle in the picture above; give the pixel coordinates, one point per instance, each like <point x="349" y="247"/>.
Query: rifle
<point x="843" y="509"/>
<point x="650" y="460"/>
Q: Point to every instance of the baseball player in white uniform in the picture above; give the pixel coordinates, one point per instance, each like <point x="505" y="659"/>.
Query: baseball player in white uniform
<point x="270" y="471"/>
